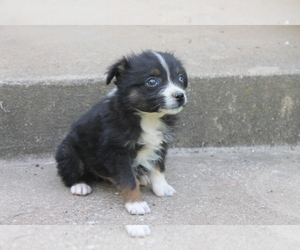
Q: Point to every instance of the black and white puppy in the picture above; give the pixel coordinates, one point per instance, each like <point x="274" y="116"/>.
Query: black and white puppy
<point x="124" y="138"/>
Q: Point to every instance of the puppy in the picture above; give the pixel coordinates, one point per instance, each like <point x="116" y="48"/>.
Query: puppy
<point x="124" y="138"/>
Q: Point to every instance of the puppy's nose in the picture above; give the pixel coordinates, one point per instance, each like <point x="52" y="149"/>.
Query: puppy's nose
<point x="179" y="96"/>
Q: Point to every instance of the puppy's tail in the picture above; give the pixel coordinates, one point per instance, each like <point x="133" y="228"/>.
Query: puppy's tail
<point x="69" y="166"/>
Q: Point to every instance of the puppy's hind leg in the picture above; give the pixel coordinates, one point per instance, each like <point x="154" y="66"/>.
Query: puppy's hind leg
<point x="71" y="169"/>
<point x="81" y="189"/>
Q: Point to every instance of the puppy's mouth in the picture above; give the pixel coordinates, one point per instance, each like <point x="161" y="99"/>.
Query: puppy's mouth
<point x="171" y="111"/>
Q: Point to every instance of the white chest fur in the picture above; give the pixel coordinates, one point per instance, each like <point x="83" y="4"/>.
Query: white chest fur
<point x="151" y="138"/>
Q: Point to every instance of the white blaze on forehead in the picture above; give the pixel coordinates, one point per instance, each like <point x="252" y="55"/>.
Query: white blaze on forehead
<point x="164" y="64"/>
<point x="170" y="90"/>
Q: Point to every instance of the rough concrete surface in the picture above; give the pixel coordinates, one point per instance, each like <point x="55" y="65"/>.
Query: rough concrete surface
<point x="61" y="54"/>
<point x="162" y="237"/>
<point x="220" y="112"/>
<point x="244" y="81"/>
<point x="187" y="12"/>
<point x="216" y="188"/>
<point x="229" y="186"/>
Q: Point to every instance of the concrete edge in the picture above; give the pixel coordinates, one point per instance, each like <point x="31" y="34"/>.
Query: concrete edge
<point x="228" y="111"/>
<point x="96" y="78"/>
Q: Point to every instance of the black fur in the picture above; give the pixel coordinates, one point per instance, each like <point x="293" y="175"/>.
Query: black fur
<point x="104" y="142"/>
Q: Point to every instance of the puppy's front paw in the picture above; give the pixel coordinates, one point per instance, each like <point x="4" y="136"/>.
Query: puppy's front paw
<point x="159" y="184"/>
<point x="81" y="189"/>
<point x="163" y="189"/>
<point x="138" y="230"/>
<point x="137" y="207"/>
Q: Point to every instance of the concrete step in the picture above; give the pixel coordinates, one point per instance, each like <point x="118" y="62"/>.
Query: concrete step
<point x="214" y="186"/>
<point x="244" y="81"/>
<point x="167" y="12"/>
<point x="162" y="237"/>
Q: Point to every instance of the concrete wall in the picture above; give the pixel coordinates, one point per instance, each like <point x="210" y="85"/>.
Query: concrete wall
<point x="244" y="81"/>
<point x="226" y="111"/>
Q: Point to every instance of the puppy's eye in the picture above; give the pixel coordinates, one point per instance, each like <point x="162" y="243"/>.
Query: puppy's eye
<point x="152" y="82"/>
<point x="181" y="79"/>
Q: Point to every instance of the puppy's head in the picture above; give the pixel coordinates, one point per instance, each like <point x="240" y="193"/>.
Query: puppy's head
<point x="150" y="82"/>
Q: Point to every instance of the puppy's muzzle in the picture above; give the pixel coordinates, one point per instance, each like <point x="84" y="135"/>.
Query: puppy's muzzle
<point x="180" y="98"/>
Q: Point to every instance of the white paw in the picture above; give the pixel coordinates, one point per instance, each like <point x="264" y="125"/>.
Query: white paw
<point x="159" y="184"/>
<point x="138" y="230"/>
<point x="81" y="189"/>
<point x="163" y="189"/>
<point x="137" y="207"/>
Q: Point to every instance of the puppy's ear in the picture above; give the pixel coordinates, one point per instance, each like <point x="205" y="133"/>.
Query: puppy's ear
<point x="116" y="70"/>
